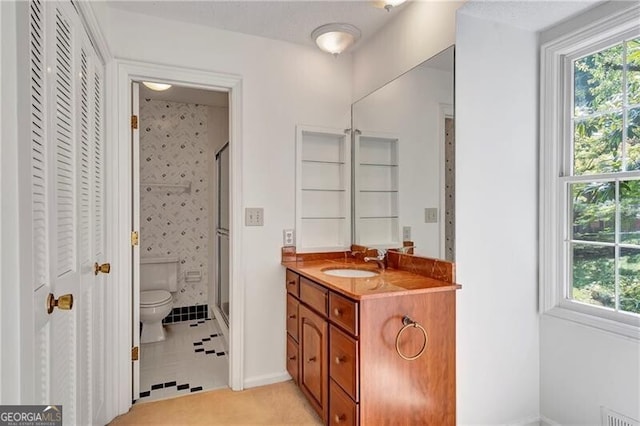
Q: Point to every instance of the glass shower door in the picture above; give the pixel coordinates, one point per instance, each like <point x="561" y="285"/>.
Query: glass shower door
<point x="222" y="232"/>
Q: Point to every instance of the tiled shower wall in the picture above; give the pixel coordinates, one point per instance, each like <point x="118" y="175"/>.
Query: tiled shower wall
<point x="174" y="222"/>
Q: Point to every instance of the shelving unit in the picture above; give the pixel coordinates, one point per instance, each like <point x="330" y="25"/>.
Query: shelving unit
<point x="323" y="189"/>
<point x="376" y="201"/>
<point x="175" y="187"/>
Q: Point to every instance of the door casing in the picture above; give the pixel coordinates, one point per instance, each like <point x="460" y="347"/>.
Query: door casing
<point x="119" y="195"/>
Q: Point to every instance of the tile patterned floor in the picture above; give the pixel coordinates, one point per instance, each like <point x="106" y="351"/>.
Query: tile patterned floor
<point x="191" y="359"/>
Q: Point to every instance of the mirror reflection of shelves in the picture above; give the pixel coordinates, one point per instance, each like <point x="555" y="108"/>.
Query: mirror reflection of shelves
<point x="323" y="193"/>
<point x="376" y="201"/>
<point x="170" y="187"/>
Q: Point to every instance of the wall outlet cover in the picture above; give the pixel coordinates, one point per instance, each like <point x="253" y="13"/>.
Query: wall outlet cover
<point x="406" y="233"/>
<point x="288" y="237"/>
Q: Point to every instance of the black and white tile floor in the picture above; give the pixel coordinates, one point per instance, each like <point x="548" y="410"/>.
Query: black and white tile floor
<point x="192" y="358"/>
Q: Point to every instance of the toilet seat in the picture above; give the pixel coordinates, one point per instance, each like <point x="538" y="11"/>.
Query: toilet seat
<point x="152" y="298"/>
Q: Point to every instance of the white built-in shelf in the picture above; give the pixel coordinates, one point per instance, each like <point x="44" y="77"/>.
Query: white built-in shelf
<point x="175" y="187"/>
<point x="376" y="195"/>
<point x="323" y="189"/>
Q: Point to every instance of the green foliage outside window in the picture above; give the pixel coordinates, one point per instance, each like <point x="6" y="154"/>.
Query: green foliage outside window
<point x="607" y="140"/>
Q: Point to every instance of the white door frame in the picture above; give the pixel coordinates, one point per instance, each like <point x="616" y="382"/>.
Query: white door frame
<point x="119" y="193"/>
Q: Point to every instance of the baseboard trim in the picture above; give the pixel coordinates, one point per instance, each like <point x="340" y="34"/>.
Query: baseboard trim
<point x="267" y="379"/>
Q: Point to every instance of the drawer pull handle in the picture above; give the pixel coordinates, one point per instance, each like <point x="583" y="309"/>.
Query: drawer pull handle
<point x="292" y="316"/>
<point x="340" y="359"/>
<point x="312" y="359"/>
<point x="339" y="418"/>
<point x="337" y="312"/>
<point x="292" y="282"/>
<point x="292" y="357"/>
<point x="407" y="323"/>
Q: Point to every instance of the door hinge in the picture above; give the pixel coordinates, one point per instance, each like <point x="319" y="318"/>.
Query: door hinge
<point x="134" y="121"/>
<point x="135" y="353"/>
<point x="134" y="238"/>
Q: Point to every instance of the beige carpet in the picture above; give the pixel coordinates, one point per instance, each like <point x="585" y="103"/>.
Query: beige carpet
<point x="279" y="404"/>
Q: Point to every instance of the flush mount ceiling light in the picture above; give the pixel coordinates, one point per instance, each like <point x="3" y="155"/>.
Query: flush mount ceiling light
<point x="156" y="86"/>
<point x="335" y="38"/>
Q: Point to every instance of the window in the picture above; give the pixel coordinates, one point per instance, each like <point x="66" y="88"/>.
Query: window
<point x="590" y="175"/>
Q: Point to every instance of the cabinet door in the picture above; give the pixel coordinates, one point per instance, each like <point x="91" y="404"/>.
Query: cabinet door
<point x="313" y="363"/>
<point x="292" y="359"/>
<point x="292" y="316"/>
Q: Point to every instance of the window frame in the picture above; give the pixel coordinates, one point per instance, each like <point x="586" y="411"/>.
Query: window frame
<point x="556" y="157"/>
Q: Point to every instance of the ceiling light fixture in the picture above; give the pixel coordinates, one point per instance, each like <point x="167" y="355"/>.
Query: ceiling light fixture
<point x="387" y="4"/>
<point x="335" y="38"/>
<point x="159" y="87"/>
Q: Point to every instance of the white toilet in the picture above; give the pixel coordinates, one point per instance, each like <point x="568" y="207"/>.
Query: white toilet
<point x="158" y="279"/>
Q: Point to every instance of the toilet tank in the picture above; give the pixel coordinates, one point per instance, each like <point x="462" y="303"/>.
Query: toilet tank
<point x="159" y="273"/>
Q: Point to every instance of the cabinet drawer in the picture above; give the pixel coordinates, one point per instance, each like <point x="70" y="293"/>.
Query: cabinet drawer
<point x="343" y="361"/>
<point x="342" y="410"/>
<point x="314" y="295"/>
<point x="292" y="316"/>
<point x="344" y="312"/>
<point x="293" y="283"/>
<point x="292" y="358"/>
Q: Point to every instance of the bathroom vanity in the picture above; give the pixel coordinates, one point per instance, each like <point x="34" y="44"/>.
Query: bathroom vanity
<point x="373" y="350"/>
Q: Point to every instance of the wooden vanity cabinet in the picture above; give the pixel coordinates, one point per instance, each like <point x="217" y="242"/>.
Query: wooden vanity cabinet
<point x="348" y="365"/>
<point x="313" y="373"/>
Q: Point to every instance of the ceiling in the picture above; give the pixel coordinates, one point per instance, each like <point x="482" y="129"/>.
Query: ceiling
<point x="531" y="15"/>
<point x="291" y="20"/>
<point x="294" y="20"/>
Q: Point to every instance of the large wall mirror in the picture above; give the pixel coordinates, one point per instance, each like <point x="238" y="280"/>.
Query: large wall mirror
<point x="403" y="161"/>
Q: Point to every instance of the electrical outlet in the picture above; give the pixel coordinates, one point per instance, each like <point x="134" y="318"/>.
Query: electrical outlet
<point x="288" y="238"/>
<point x="431" y="215"/>
<point x="254" y="216"/>
<point x="406" y="233"/>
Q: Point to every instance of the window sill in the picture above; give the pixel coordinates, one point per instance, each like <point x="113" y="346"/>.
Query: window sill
<point x="570" y="312"/>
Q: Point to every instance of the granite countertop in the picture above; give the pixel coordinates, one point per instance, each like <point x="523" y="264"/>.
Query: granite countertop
<point x="387" y="282"/>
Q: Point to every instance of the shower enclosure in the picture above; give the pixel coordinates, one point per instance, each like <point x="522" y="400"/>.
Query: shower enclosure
<point x="222" y="232"/>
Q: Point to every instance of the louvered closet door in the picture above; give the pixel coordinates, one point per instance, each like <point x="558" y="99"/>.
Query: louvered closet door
<point x="67" y="211"/>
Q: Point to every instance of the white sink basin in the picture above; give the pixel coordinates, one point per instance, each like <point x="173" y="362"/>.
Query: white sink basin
<point x="350" y="273"/>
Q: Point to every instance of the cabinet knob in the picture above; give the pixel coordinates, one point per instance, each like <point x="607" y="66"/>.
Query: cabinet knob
<point x="64" y="302"/>
<point x="312" y="359"/>
<point x="105" y="268"/>
<point x="292" y="316"/>
<point x="337" y="312"/>
<point x="293" y="282"/>
<point x="340" y="359"/>
<point x="292" y="357"/>
<point x="339" y="418"/>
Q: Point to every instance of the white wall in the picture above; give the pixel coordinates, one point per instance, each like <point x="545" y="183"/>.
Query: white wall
<point x="583" y="368"/>
<point x="282" y="85"/>
<point x="496" y="217"/>
<point x="420" y="30"/>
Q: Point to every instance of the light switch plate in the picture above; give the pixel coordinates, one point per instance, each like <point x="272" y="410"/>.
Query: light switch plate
<point x="431" y="215"/>
<point x="288" y="237"/>
<point x="406" y="233"/>
<point x="254" y="216"/>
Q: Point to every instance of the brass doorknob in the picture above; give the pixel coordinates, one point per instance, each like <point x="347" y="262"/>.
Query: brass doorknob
<point x="64" y="302"/>
<point x="104" y="268"/>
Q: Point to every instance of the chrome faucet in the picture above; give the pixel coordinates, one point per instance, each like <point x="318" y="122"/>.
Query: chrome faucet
<point x="380" y="259"/>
